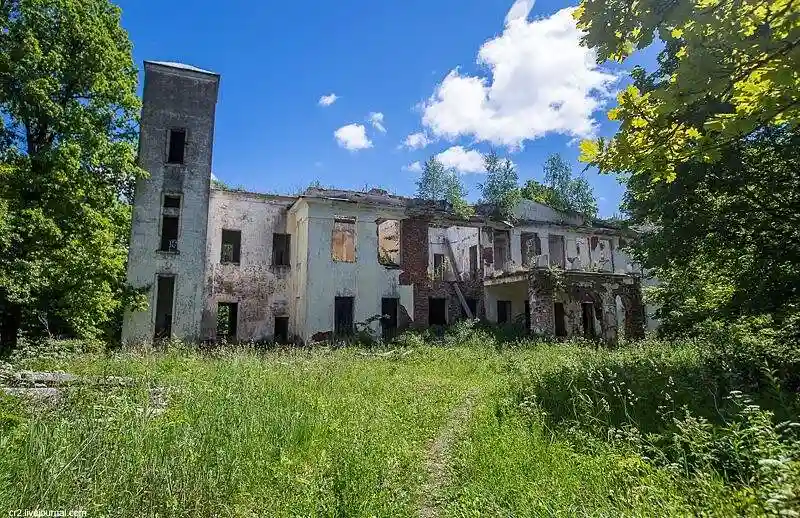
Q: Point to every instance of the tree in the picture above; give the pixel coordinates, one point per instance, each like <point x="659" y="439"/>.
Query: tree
<point x="67" y="165"/>
<point x="561" y="190"/>
<point x="438" y="183"/>
<point x="728" y="69"/>
<point x="501" y="187"/>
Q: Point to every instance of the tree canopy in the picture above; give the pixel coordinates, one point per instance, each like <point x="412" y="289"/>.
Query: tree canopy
<point x="501" y="187"/>
<point x="436" y="183"/>
<point x="729" y="68"/>
<point x="67" y="164"/>
<point x="561" y="190"/>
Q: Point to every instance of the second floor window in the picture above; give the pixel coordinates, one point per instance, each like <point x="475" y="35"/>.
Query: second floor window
<point x="280" y="249"/>
<point x="343" y="243"/>
<point x="231" y="246"/>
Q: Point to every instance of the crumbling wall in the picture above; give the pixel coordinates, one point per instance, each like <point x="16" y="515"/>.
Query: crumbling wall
<point x="261" y="289"/>
<point x="572" y="289"/>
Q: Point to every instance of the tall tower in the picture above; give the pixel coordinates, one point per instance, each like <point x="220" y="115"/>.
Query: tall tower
<point x="170" y="212"/>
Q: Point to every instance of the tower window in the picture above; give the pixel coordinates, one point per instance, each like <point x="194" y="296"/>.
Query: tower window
<point x="172" y="202"/>
<point x="177" y="146"/>
<point x="169" y="233"/>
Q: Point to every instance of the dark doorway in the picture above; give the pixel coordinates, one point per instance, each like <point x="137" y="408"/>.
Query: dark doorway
<point x="503" y="311"/>
<point x="472" y="304"/>
<point x="165" y="295"/>
<point x="227" y="320"/>
<point x="437" y="311"/>
<point x="389" y="318"/>
<point x="588" y="320"/>
<point x="561" y="327"/>
<point x="281" y="333"/>
<point x="527" y="316"/>
<point x="343" y="316"/>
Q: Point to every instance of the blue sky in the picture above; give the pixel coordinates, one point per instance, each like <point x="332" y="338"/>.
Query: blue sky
<point x="532" y="95"/>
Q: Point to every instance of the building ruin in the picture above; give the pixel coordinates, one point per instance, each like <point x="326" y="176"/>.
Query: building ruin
<point x="246" y="266"/>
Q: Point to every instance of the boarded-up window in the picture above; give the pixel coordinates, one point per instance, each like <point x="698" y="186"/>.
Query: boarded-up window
<point x="557" y="252"/>
<point x="231" y="246"/>
<point x="389" y="242"/>
<point x="343" y="244"/>
<point x="280" y="249"/>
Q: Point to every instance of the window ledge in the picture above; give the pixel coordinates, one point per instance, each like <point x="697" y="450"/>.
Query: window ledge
<point x="281" y="266"/>
<point x="234" y="263"/>
<point x="168" y="252"/>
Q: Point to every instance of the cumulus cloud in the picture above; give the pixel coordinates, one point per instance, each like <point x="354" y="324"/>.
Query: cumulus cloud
<point x="541" y="80"/>
<point x="416" y="141"/>
<point x="414" y="167"/>
<point x="352" y="137"/>
<point x="462" y="160"/>
<point x="376" y="119"/>
<point x="327" y="100"/>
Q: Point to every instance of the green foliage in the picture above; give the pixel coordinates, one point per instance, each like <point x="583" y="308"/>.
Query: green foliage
<point x="561" y="190"/>
<point x="438" y="183"/>
<point x="501" y="188"/>
<point x="728" y="69"/>
<point x="67" y="164"/>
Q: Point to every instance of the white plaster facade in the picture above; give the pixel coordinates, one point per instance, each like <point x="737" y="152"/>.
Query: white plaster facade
<point x="303" y="290"/>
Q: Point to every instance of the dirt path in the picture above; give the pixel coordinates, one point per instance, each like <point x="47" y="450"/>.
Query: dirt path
<point x="438" y="455"/>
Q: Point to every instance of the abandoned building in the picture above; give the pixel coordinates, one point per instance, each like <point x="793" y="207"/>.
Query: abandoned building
<point x="246" y="266"/>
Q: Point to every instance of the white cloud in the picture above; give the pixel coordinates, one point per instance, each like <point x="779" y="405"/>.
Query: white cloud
<point x="327" y="100"/>
<point x="352" y="137"/>
<point x="463" y="160"/>
<point x="541" y="80"/>
<point x="416" y="141"/>
<point x="414" y="167"/>
<point x="376" y="119"/>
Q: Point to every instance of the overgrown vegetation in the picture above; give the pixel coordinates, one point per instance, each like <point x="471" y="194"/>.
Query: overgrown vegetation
<point x="658" y="428"/>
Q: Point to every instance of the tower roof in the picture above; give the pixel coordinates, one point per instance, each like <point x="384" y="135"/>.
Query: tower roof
<point x="182" y="66"/>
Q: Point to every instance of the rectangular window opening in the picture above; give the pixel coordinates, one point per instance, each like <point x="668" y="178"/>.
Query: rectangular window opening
<point x="227" y="320"/>
<point x="169" y="233"/>
<point x="343" y="316"/>
<point x="560" y="324"/>
<point x="473" y="260"/>
<point x="503" y="311"/>
<point x="531" y="247"/>
<point x="281" y="245"/>
<point x="231" y="246"/>
<point x="500" y="248"/>
<point x="439" y="266"/>
<point x="389" y="242"/>
<point x="343" y="242"/>
<point x="165" y="295"/>
<point x="437" y="311"/>
<point x="389" y="317"/>
<point x="281" y="333"/>
<point x="557" y="252"/>
<point x="177" y="146"/>
<point x="172" y="201"/>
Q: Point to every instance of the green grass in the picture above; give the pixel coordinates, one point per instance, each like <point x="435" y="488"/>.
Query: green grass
<point x="327" y="433"/>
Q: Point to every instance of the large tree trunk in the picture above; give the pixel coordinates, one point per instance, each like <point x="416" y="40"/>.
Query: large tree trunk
<point x="10" y="316"/>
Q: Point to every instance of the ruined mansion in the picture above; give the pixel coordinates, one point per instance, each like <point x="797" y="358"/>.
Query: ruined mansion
<point x="246" y="266"/>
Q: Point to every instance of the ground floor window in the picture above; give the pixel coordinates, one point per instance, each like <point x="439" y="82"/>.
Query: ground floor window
<point x="503" y="311"/>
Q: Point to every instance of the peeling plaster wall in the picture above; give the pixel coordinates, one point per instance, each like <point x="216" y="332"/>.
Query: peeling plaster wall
<point x="366" y="279"/>
<point x="461" y="238"/>
<point x="516" y="292"/>
<point x="262" y="290"/>
<point x="173" y="99"/>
